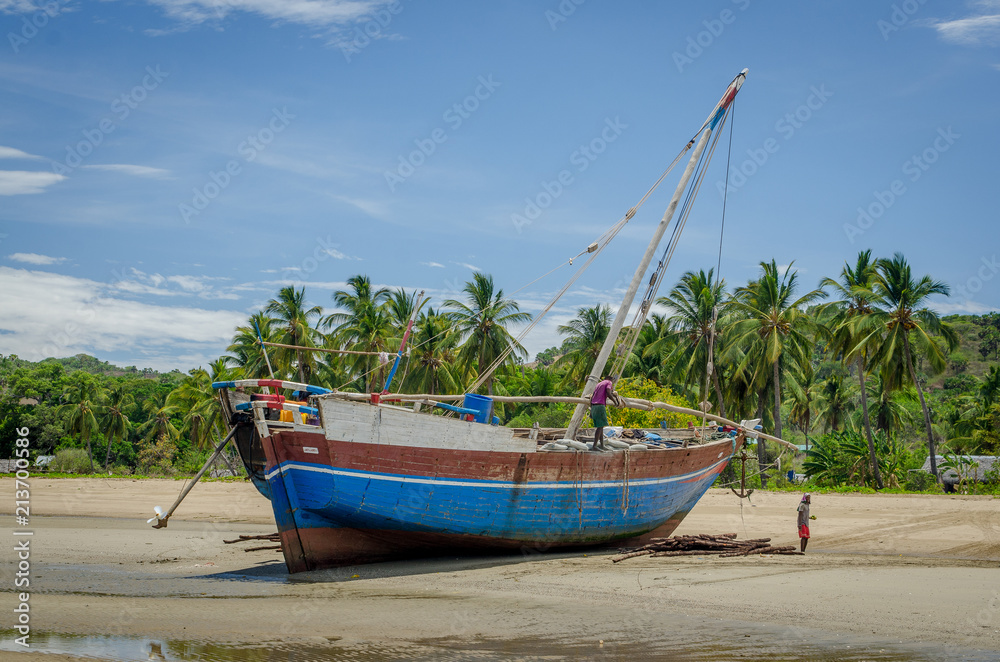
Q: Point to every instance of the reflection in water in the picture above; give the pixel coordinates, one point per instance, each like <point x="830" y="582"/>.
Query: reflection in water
<point x="681" y="647"/>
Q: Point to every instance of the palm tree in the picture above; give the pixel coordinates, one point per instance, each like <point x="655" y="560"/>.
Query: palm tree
<point x="586" y="334"/>
<point x="159" y="412"/>
<point x="836" y="402"/>
<point x="535" y="382"/>
<point x="804" y="396"/>
<point x="433" y="356"/>
<point x="482" y="322"/>
<point x="295" y="327"/>
<point x="655" y="341"/>
<point x="114" y="417"/>
<point x="694" y="302"/>
<point x="901" y="312"/>
<point x="773" y="326"/>
<point x="247" y="352"/>
<point x="856" y="296"/>
<point x="366" y="326"/>
<point x="989" y="389"/>
<point x="83" y="399"/>
<point x="199" y="402"/>
<point x="887" y="410"/>
<point x="400" y="305"/>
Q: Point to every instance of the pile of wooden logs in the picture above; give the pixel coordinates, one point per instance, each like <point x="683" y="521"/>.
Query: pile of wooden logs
<point x="705" y="543"/>
<point x="270" y="537"/>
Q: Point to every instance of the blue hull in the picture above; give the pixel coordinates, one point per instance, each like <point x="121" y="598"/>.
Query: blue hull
<point x="332" y="515"/>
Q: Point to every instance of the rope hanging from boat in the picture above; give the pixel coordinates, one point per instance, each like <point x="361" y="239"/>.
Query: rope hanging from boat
<point x="627" y="344"/>
<point x="320" y="349"/>
<point x="625" y="471"/>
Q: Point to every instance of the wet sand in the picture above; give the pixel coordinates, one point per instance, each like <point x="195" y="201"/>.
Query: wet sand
<point x="913" y="575"/>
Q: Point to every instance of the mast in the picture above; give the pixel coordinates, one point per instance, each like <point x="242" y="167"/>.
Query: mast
<point x="640" y="272"/>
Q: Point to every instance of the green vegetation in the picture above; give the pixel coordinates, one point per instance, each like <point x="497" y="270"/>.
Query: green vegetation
<point x="871" y="379"/>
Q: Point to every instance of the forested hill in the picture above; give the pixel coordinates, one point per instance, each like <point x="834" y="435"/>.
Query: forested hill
<point x="95" y="366"/>
<point x="979" y="336"/>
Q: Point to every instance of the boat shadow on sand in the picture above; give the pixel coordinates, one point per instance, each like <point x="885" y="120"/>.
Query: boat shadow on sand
<point x="270" y="571"/>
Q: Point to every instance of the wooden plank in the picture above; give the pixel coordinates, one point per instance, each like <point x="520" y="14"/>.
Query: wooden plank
<point x="364" y="423"/>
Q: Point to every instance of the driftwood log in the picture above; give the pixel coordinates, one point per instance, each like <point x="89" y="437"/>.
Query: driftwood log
<point x="273" y="537"/>
<point x="270" y="537"/>
<point x="705" y="543"/>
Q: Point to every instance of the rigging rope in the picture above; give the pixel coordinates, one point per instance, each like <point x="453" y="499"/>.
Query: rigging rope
<point x="627" y="345"/>
<point x="594" y="249"/>
<point x="710" y="368"/>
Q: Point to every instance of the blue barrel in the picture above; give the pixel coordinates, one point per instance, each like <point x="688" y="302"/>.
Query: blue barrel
<point x="481" y="404"/>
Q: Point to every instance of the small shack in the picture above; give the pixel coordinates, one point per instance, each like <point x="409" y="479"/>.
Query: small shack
<point x="978" y="467"/>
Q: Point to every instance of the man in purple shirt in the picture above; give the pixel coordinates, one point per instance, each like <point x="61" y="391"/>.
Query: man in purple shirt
<point x="598" y="411"/>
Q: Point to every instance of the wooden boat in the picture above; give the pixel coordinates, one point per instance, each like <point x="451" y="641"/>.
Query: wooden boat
<point x="358" y="478"/>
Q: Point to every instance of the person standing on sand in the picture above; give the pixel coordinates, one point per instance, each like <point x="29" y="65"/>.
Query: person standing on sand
<point x="599" y="411"/>
<point x="803" y="521"/>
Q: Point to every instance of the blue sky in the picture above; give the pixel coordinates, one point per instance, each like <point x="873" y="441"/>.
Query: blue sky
<point x="167" y="165"/>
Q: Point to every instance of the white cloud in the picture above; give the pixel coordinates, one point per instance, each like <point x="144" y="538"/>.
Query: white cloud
<point x="982" y="30"/>
<point x="337" y="255"/>
<point x="35" y="258"/>
<point x="468" y="266"/>
<point x="11" y="153"/>
<point x="962" y="308"/>
<point x="373" y="208"/>
<point x="314" y="13"/>
<point x="783" y="269"/>
<point x="188" y="283"/>
<point x="18" y="6"/>
<point x="61" y="315"/>
<point x="436" y="265"/>
<point x="136" y="170"/>
<point x="21" y="182"/>
<point x="135" y="281"/>
<point x="47" y="314"/>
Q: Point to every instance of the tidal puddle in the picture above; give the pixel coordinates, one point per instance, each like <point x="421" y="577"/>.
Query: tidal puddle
<point x="762" y="645"/>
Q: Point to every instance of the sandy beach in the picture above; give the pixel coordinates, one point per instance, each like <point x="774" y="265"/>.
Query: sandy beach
<point x="895" y="577"/>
